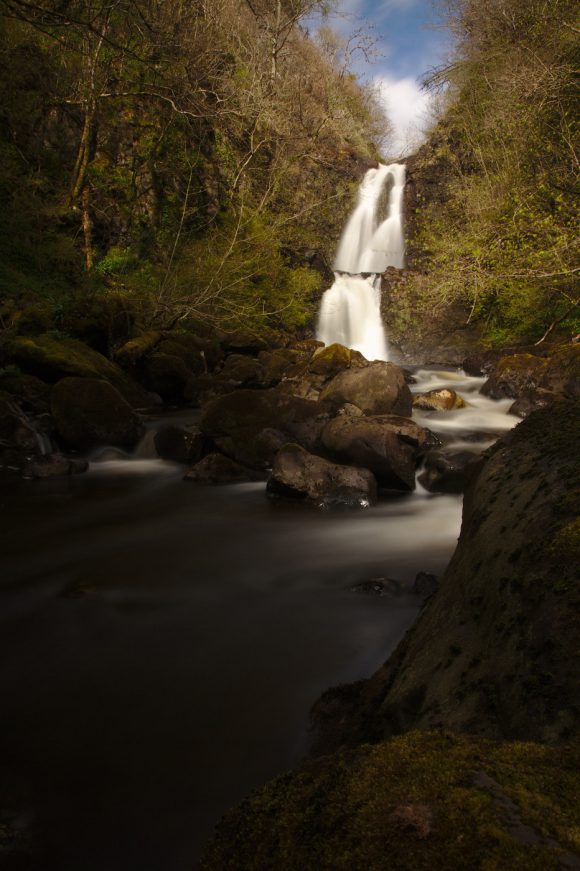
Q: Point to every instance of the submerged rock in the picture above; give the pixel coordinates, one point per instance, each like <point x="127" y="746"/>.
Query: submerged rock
<point x="298" y="474"/>
<point x="87" y="411"/>
<point x="379" y="388"/>
<point x="388" y="445"/>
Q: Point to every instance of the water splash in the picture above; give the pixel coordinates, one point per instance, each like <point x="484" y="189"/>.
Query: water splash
<point x="350" y="311"/>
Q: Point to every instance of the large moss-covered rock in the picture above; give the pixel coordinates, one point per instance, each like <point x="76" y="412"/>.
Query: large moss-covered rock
<point x="379" y="388"/>
<point x="516" y="375"/>
<point x="387" y="445"/>
<point x="235" y="421"/>
<point x="421" y="801"/>
<point x="138" y="347"/>
<point x="30" y="392"/>
<point x="557" y="373"/>
<point x="448" y="471"/>
<point x="298" y="474"/>
<point x="495" y="650"/>
<point x="51" y="359"/>
<point x="87" y="411"/>
<point x="332" y="359"/>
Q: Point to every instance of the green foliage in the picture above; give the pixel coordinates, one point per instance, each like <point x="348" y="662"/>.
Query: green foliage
<point x="504" y="241"/>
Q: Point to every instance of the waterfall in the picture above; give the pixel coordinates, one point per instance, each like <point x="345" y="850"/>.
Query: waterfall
<point x="350" y="311"/>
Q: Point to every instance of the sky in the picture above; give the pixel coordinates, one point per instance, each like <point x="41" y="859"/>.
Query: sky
<point x="410" y="45"/>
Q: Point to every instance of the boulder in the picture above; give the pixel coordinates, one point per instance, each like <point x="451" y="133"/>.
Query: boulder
<point x="490" y="653"/>
<point x="332" y="359"/>
<point x="87" y="411"/>
<point x="199" y="354"/>
<point x="420" y="801"/>
<point x="32" y="394"/>
<point x="448" y="471"/>
<point x="180" y="444"/>
<point x="515" y="376"/>
<point x="245" y="342"/>
<point x="281" y="362"/>
<point x="217" y="469"/>
<point x="235" y="421"/>
<point x="54" y="466"/>
<point x="135" y="349"/>
<point x="167" y="375"/>
<point x="298" y="474"/>
<point x="240" y="369"/>
<point x="51" y="359"/>
<point x="438" y="400"/>
<point x="389" y="446"/>
<point x="378" y="388"/>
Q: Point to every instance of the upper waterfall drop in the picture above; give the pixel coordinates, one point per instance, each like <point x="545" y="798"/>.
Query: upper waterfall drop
<point x="350" y="311"/>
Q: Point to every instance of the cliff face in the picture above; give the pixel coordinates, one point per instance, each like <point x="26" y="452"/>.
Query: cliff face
<point x="494" y="651"/>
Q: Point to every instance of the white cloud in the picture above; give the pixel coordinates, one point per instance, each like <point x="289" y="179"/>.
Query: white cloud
<point x="407" y="108"/>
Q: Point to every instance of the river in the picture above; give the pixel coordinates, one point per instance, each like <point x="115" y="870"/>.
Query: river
<point x="162" y="643"/>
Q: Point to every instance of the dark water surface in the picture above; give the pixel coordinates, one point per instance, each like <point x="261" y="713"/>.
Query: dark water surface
<point x="161" y="645"/>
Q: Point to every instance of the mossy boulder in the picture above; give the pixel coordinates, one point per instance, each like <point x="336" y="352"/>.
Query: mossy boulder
<point x="240" y="369"/>
<point x="280" y="363"/>
<point x="167" y="375"/>
<point x="494" y="652"/>
<point x="515" y="376"/>
<point x="298" y="474"/>
<point x="379" y="388"/>
<point x="420" y="801"/>
<point x="234" y="423"/>
<point x="389" y="446"/>
<point x="87" y="412"/>
<point x="199" y="354"/>
<point x="50" y="359"/>
<point x="135" y="349"/>
<point x="32" y="394"/>
<point x="331" y="360"/>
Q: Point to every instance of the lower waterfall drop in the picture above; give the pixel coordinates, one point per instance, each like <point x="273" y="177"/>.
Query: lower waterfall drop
<point x="350" y="311"/>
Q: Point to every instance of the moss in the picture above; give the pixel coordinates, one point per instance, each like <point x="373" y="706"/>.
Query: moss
<point x="419" y="801"/>
<point x="50" y="359"/>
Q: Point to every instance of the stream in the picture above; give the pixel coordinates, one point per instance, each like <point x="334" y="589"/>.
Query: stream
<point x="162" y="642"/>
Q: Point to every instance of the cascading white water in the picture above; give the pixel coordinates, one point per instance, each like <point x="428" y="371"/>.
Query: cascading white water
<point x="350" y="311"/>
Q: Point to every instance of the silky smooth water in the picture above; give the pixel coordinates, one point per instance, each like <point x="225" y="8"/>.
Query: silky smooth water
<point x="162" y="643"/>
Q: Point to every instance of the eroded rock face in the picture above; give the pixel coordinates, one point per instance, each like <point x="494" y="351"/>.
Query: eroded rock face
<point x="490" y="653"/>
<point x="298" y="474"/>
<point x="387" y="445"/>
<point x="378" y="388"/>
<point x="235" y="421"/>
<point x="87" y="411"/>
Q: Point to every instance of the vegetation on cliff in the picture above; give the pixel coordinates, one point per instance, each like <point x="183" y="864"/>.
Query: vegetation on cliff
<point x="187" y="158"/>
<point x="495" y="212"/>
